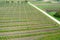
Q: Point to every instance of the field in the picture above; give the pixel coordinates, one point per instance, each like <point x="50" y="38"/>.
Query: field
<point x="20" y="21"/>
<point x="50" y="8"/>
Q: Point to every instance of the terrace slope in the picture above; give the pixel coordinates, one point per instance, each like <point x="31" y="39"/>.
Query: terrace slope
<point x="22" y="20"/>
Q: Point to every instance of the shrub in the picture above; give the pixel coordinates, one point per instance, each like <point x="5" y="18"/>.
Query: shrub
<point x="57" y="14"/>
<point x="17" y="1"/>
<point x="26" y="1"/>
<point x="7" y="1"/>
<point x="12" y="1"/>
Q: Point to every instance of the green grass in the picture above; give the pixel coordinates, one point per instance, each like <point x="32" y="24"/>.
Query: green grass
<point x="52" y="14"/>
<point x="51" y="37"/>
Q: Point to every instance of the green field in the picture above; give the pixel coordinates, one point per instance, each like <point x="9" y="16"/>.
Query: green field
<point x="52" y="7"/>
<point x="21" y="21"/>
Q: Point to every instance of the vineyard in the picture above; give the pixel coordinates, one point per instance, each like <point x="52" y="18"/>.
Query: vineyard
<point x="50" y="8"/>
<point x="21" y="21"/>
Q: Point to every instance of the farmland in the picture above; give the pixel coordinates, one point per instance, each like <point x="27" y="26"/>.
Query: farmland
<point x="21" y="21"/>
<point x="50" y="8"/>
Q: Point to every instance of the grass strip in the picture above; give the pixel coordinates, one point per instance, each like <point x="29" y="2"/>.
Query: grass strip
<point x="28" y="35"/>
<point x="25" y="29"/>
<point x="50" y="37"/>
<point x="16" y="25"/>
